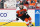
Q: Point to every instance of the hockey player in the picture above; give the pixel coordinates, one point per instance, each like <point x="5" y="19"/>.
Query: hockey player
<point x="22" y="14"/>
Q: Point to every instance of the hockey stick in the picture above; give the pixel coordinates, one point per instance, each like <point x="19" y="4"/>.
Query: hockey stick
<point x="8" y="22"/>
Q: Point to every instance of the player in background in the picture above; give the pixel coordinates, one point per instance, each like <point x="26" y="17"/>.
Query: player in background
<point x="22" y="14"/>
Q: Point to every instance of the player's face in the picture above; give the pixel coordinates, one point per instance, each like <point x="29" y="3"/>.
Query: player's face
<point x="21" y="7"/>
<point x="21" y="1"/>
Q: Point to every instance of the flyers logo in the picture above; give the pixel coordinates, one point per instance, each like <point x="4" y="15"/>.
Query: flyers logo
<point x="3" y="14"/>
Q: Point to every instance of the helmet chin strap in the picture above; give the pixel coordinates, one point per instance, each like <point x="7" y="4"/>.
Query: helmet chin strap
<point x="21" y="8"/>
